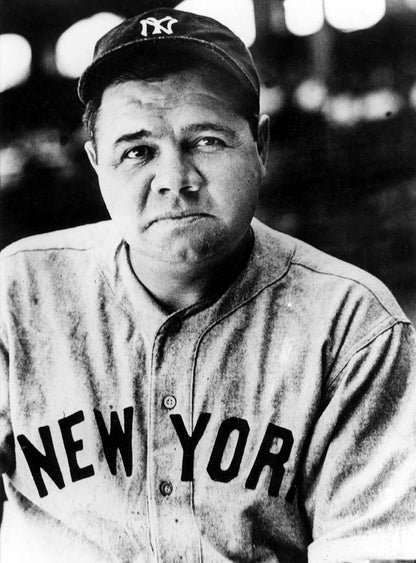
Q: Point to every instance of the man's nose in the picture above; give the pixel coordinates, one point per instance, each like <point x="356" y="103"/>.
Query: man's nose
<point x="175" y="173"/>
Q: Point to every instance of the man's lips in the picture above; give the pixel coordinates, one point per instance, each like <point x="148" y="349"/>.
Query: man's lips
<point x="177" y="216"/>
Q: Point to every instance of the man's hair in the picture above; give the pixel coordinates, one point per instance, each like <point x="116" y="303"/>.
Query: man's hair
<point x="243" y="105"/>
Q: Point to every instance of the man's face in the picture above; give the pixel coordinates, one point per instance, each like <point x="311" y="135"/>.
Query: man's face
<point x="179" y="171"/>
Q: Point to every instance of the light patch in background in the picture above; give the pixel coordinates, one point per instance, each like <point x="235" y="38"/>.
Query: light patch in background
<point x="304" y="17"/>
<point x="353" y="15"/>
<point x="35" y="149"/>
<point x="347" y="110"/>
<point x="381" y="104"/>
<point x="15" y="60"/>
<point x="271" y="99"/>
<point x="412" y="96"/>
<point x="238" y="15"/>
<point x="75" y="47"/>
<point x="343" y="110"/>
<point x="12" y="162"/>
<point x="310" y="95"/>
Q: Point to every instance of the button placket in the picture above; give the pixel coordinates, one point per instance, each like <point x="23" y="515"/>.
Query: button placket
<point x="170" y="498"/>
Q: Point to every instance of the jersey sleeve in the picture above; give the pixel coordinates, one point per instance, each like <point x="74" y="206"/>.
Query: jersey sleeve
<point x="361" y="466"/>
<point x="6" y="436"/>
<point x="6" y="439"/>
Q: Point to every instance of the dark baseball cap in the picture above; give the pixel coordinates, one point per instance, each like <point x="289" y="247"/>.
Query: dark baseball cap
<point x="168" y="32"/>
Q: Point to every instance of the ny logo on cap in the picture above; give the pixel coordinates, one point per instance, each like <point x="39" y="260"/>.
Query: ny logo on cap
<point x="158" y="28"/>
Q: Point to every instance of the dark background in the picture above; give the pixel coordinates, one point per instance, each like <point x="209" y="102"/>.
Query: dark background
<point x="346" y="185"/>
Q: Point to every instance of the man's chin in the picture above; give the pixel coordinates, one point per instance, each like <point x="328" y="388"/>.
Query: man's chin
<point x="186" y="246"/>
<point x="191" y="251"/>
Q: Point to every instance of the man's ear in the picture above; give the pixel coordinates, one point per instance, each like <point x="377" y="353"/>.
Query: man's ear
<point x="263" y="137"/>
<point x="92" y="154"/>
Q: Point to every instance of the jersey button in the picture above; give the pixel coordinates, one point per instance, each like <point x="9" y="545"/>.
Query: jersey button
<point x="169" y="402"/>
<point x="166" y="488"/>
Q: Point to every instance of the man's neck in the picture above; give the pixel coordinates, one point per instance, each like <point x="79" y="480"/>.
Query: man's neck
<point x="176" y="286"/>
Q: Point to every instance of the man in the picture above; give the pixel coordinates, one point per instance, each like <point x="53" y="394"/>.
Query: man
<point x="181" y="383"/>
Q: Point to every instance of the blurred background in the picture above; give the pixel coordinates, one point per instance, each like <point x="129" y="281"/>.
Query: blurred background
<point x="338" y="80"/>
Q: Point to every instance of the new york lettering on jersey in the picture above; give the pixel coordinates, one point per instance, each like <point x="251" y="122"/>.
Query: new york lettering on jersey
<point x="273" y="451"/>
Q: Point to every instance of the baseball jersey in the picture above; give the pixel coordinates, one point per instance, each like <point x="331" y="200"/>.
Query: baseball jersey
<point x="275" y="422"/>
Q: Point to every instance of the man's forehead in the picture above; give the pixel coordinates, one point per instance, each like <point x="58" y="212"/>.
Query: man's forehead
<point x="162" y="98"/>
<point x="140" y="95"/>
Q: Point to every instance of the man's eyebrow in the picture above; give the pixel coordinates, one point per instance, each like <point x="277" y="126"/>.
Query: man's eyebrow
<point x="193" y="128"/>
<point x="128" y="137"/>
<point x="209" y="125"/>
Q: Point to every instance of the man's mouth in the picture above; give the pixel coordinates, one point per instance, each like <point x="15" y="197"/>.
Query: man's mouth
<point x="185" y="216"/>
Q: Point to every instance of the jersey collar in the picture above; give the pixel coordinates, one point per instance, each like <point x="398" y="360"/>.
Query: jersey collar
<point x="268" y="263"/>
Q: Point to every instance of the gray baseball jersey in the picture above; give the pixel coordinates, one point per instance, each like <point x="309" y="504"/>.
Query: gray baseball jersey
<point x="275" y="422"/>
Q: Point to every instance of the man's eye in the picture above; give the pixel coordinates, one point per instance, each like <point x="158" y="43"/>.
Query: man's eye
<point x="139" y="153"/>
<point x="210" y="143"/>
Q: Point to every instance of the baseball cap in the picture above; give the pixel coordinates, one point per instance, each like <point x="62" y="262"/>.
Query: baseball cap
<point x="169" y="32"/>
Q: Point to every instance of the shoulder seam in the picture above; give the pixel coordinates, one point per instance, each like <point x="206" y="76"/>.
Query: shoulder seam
<point x="358" y="282"/>
<point x="362" y="345"/>
<point x="47" y="249"/>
